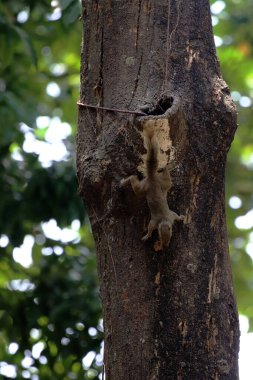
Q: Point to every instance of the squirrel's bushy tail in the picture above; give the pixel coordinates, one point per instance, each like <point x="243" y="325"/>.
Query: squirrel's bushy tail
<point x="152" y="149"/>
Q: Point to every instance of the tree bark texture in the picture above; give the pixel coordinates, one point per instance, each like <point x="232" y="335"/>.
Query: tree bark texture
<point x="168" y="314"/>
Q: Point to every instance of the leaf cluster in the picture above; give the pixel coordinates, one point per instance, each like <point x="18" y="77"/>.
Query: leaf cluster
<point x="50" y="314"/>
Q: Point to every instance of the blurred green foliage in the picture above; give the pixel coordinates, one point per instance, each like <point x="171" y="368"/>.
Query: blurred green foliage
<point x="50" y="315"/>
<point x="234" y="27"/>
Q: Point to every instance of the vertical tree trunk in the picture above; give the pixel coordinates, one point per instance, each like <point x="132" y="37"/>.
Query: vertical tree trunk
<point x="168" y="314"/>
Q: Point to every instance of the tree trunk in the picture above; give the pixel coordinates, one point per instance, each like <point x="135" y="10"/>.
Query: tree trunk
<point x="171" y="313"/>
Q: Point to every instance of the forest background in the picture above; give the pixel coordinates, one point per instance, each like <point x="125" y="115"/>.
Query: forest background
<point x="50" y="313"/>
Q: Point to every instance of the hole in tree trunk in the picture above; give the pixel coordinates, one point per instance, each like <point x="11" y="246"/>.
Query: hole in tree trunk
<point x="161" y="107"/>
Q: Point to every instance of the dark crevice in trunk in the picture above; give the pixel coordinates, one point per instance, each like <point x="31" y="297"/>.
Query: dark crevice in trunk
<point x="160" y="108"/>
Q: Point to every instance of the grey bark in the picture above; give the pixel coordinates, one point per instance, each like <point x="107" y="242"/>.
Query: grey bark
<point x="168" y="314"/>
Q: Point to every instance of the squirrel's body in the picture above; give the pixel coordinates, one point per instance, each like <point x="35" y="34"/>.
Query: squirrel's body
<point x="155" y="187"/>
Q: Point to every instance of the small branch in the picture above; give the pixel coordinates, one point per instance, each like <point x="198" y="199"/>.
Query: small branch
<point x="111" y="109"/>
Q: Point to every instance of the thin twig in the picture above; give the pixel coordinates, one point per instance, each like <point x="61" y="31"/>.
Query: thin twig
<point x="177" y="22"/>
<point x="111" y="109"/>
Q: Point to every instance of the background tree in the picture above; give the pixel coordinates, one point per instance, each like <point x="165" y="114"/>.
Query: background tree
<point x="39" y="80"/>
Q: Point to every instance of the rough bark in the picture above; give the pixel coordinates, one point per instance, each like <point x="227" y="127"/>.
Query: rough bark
<point x="169" y="314"/>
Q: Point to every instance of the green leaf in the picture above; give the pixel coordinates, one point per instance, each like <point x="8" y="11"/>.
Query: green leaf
<point x="28" y="45"/>
<point x="65" y="3"/>
<point x="71" y="13"/>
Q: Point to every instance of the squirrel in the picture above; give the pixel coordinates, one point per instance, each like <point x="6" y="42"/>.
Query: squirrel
<point x="155" y="187"/>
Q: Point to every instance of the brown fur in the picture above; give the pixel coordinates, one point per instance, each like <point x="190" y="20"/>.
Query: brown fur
<point x="155" y="188"/>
